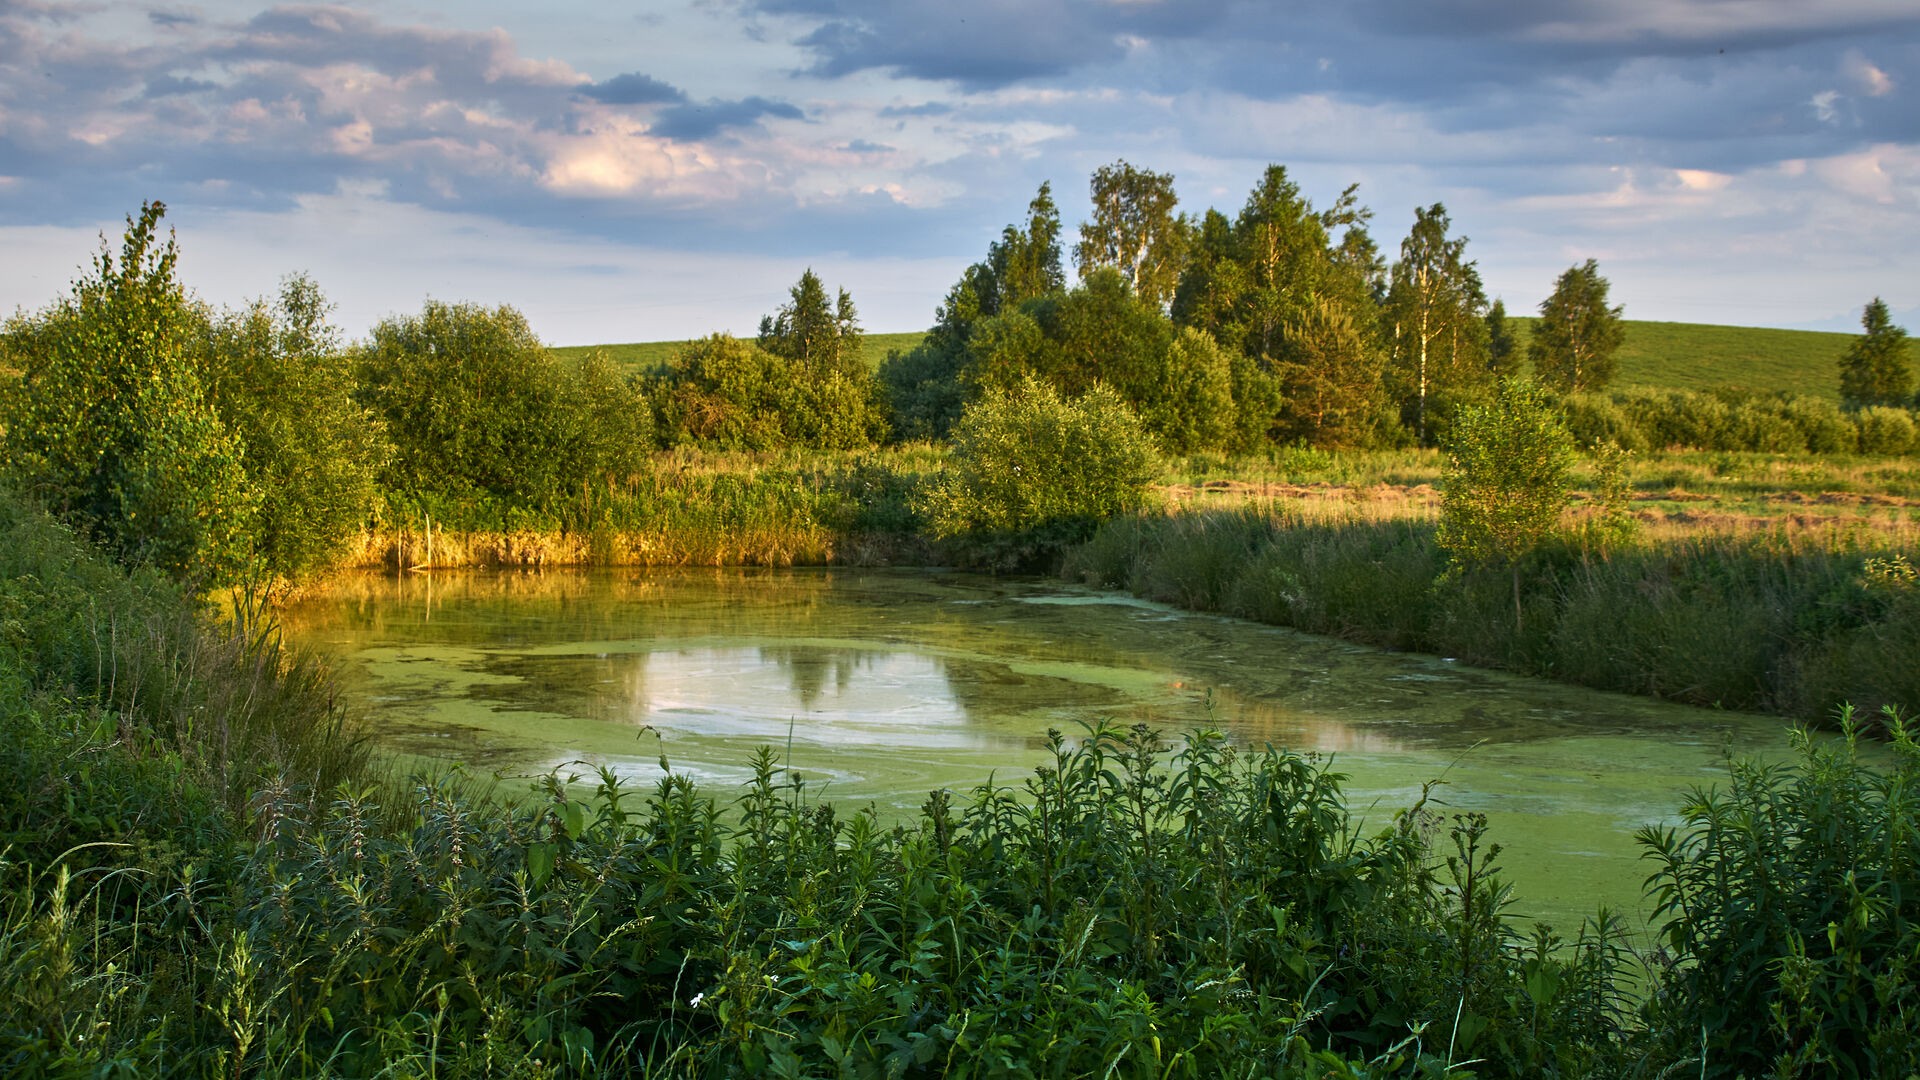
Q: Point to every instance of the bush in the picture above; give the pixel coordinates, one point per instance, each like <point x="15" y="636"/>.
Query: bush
<point x="1886" y="430"/>
<point x="1028" y="464"/>
<point x="283" y="385"/>
<point x="1792" y="905"/>
<point x="476" y="405"/>
<point x="727" y="394"/>
<point x="113" y="427"/>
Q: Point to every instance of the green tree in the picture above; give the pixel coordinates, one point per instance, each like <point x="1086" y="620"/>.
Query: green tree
<point x="1574" y="341"/>
<point x="476" y="405"/>
<point x="1502" y="344"/>
<point x="1873" y="370"/>
<point x="1334" y="395"/>
<point x="923" y="386"/>
<point x="281" y="382"/>
<point x="1506" y="481"/>
<point x="1025" y="263"/>
<point x="1435" y="313"/>
<point x="1135" y="231"/>
<point x="731" y="394"/>
<point x="1026" y="460"/>
<point x="811" y="332"/>
<point x="112" y="426"/>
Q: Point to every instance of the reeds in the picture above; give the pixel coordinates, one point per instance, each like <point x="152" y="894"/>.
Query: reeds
<point x="1794" y="622"/>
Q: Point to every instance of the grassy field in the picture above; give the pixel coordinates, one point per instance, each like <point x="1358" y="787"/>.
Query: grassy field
<point x="1664" y="355"/>
<point x="637" y="356"/>
<point x="1696" y="356"/>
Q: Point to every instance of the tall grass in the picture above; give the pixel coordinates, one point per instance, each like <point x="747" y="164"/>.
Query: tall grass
<point x="1790" y="623"/>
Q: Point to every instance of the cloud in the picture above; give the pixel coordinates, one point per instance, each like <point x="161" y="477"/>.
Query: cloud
<point x="634" y="88"/>
<point x="706" y="119"/>
<point x="985" y="44"/>
<point x="1866" y="76"/>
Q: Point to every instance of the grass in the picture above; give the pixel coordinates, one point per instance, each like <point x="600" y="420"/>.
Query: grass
<point x="1659" y="355"/>
<point x="647" y="356"/>
<point x="1700" y="356"/>
<point x="1793" y="621"/>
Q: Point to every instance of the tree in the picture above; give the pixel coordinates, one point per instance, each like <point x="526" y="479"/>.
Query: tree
<point x="1574" y="341"/>
<point x="810" y="332"/>
<point x="1435" y="314"/>
<point x="112" y="426"/>
<point x="1332" y="375"/>
<point x="283" y="385"/>
<point x="1135" y="231"/>
<point x="1873" y="370"/>
<point x="1025" y="460"/>
<point x="923" y="386"/>
<point x="1025" y="263"/>
<point x="1501" y="342"/>
<point x="476" y="405"/>
<point x="1506" y="481"/>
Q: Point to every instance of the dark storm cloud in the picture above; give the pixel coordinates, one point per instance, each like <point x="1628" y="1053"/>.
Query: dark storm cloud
<point x="171" y="18"/>
<point x="700" y="121"/>
<point x="634" y="88"/>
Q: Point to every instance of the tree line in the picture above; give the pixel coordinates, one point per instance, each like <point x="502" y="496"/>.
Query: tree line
<point x="226" y="445"/>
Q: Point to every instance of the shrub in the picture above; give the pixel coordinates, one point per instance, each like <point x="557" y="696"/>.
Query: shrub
<point x="1886" y="430"/>
<point x="112" y="425"/>
<point x="1824" y="429"/>
<point x="1027" y="463"/>
<point x="1792" y="907"/>
<point x="729" y="394"/>
<point x="476" y="405"/>
<point x="1507" y="477"/>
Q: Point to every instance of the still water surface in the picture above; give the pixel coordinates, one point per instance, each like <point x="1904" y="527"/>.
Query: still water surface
<point x="881" y="685"/>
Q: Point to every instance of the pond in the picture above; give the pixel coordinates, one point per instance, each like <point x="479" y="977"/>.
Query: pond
<point x="879" y="686"/>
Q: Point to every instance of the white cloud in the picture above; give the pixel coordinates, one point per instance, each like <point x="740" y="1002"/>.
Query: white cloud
<point x="1869" y="78"/>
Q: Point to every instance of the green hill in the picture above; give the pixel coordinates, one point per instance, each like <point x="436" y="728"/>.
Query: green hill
<point x="1666" y="355"/>
<point x="1695" y="356"/>
<point x="651" y="355"/>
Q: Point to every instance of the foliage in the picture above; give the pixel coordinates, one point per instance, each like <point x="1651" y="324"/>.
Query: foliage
<point x="1760" y="623"/>
<point x="282" y="384"/>
<point x="113" y="426"/>
<point x="814" y="337"/>
<point x="1503" y="341"/>
<point x="924" y="385"/>
<point x="1435" y="317"/>
<point x="729" y="394"/>
<point x="476" y="406"/>
<point x="1027" y="462"/>
<point x="1574" y="341"/>
<point x="1334" y="393"/>
<point x="1792" y="915"/>
<point x="1874" y="369"/>
<point x="1507" y="477"/>
<point x="1134" y="231"/>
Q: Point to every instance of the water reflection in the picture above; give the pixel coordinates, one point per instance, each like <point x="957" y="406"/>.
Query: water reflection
<point x="879" y="686"/>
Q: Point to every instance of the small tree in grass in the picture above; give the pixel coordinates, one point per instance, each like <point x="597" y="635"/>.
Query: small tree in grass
<point x="1507" y="478"/>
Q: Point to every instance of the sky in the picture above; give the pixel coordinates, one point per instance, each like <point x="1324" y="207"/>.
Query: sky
<point x="655" y="171"/>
